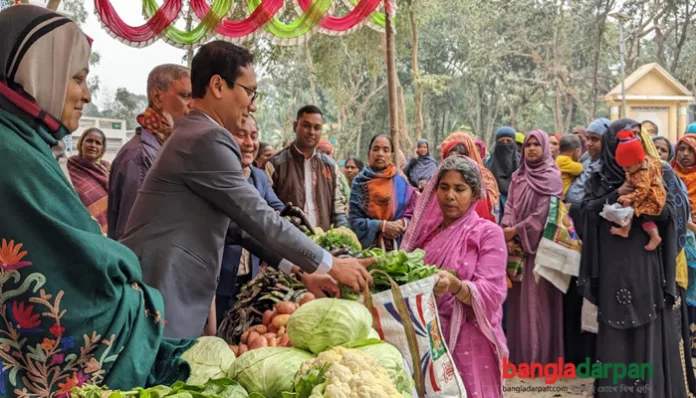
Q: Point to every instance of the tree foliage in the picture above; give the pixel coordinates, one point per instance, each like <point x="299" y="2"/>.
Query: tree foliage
<point x="481" y="64"/>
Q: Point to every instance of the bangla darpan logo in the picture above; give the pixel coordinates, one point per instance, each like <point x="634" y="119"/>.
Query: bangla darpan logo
<point x="552" y="372"/>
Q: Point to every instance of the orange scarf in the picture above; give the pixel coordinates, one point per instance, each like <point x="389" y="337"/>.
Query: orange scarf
<point x="687" y="174"/>
<point x="492" y="193"/>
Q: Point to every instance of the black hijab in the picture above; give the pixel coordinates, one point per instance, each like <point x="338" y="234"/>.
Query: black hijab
<point x="503" y="163"/>
<point x="610" y="175"/>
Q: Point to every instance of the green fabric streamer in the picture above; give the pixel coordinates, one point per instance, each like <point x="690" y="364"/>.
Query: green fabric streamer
<point x="219" y="9"/>
<point x="302" y="25"/>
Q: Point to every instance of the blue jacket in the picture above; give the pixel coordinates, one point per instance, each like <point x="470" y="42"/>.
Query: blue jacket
<point x="233" y="253"/>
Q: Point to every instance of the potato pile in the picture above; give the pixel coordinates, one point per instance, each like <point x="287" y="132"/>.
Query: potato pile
<point x="272" y="330"/>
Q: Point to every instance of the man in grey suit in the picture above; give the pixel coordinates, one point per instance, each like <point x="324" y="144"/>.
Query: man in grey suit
<point x="196" y="191"/>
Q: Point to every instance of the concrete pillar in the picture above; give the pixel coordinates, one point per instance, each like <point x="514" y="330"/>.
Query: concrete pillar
<point x="682" y="115"/>
<point x="615" y="111"/>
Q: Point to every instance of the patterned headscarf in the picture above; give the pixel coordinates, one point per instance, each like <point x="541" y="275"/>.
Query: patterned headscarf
<point x="492" y="193"/>
<point x="41" y="52"/>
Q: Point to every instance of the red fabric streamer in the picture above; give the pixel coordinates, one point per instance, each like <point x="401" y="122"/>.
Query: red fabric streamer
<point x="261" y="15"/>
<point x="359" y="13"/>
<point x="165" y="16"/>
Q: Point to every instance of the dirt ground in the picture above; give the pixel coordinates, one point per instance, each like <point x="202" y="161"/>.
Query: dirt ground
<point x="528" y="388"/>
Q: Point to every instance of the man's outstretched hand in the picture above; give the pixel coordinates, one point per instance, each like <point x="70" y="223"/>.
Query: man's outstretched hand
<point x="320" y="285"/>
<point x="352" y="272"/>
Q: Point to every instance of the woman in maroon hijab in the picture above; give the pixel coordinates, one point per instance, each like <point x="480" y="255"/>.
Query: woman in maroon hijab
<point x="534" y="317"/>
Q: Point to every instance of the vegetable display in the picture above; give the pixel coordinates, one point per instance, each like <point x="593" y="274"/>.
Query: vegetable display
<point x="209" y="358"/>
<point x="393" y="362"/>
<point x="272" y="330"/>
<point x="401" y="266"/>
<point x="339" y="241"/>
<point x="256" y="297"/>
<point x="268" y="371"/>
<point x="343" y="372"/>
<point x="220" y="388"/>
<point x="325" y="323"/>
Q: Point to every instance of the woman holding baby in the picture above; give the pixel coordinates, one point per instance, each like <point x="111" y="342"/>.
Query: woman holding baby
<point x="630" y="277"/>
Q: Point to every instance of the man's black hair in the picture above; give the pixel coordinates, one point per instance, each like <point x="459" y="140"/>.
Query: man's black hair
<point x="217" y="58"/>
<point x="309" y="109"/>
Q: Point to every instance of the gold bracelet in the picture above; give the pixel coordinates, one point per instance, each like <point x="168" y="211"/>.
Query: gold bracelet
<point x="468" y="296"/>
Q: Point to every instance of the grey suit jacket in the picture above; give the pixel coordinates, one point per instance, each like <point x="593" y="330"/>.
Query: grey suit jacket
<point x="193" y="193"/>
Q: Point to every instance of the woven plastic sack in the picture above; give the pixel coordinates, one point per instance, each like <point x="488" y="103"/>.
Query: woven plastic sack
<point x="407" y="317"/>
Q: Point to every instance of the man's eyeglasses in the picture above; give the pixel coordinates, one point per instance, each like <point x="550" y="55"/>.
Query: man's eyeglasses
<point x="251" y="93"/>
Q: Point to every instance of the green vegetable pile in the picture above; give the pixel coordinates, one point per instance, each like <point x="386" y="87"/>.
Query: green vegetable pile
<point x="268" y="371"/>
<point x="220" y="388"/>
<point x="401" y="266"/>
<point x="336" y="355"/>
<point x="339" y="241"/>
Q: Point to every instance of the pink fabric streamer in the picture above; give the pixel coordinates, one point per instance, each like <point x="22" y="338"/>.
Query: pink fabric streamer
<point x="165" y="16"/>
<point x="261" y="15"/>
<point x="358" y="14"/>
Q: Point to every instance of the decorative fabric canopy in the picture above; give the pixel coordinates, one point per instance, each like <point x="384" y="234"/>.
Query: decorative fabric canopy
<point x="261" y="19"/>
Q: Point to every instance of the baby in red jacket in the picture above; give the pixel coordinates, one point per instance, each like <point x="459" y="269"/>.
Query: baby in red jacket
<point x="644" y="174"/>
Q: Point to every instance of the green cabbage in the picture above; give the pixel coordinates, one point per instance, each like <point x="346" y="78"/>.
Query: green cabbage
<point x="326" y="323"/>
<point x="391" y="359"/>
<point x="268" y="371"/>
<point x="209" y="358"/>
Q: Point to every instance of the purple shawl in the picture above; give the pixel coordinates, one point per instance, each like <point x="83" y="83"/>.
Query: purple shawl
<point x="531" y="187"/>
<point x="472" y="246"/>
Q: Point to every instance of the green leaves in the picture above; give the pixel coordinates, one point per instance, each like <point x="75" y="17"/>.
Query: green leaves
<point x="303" y="387"/>
<point x="402" y="267"/>
<point x="220" y="388"/>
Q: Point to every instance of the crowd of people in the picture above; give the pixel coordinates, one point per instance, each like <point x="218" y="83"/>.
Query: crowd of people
<point x="109" y="272"/>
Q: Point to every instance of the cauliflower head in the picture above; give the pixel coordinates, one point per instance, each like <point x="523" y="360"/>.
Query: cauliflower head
<point x="351" y="374"/>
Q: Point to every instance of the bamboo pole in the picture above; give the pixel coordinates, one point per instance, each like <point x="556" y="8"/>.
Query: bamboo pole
<point x="391" y="83"/>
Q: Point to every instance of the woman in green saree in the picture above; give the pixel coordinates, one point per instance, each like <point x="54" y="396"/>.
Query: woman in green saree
<point x="73" y="307"/>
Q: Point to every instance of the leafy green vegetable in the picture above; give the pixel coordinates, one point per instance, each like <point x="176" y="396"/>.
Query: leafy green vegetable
<point x="391" y="359"/>
<point x="325" y="323"/>
<point x="209" y="358"/>
<point x="337" y="238"/>
<point x="268" y="371"/>
<point x="220" y="388"/>
<point x="303" y="387"/>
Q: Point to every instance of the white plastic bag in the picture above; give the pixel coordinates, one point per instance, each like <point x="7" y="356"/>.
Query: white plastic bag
<point x="435" y="367"/>
<point x="617" y="214"/>
<point x="588" y="322"/>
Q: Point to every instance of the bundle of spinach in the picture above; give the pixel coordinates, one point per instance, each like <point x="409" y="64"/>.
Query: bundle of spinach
<point x="401" y="266"/>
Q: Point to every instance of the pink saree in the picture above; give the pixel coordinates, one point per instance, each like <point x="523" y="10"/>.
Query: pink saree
<point x="475" y="249"/>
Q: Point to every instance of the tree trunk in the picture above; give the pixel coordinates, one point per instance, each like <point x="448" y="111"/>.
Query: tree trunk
<point x="416" y="74"/>
<point x="189" y="51"/>
<point x="601" y="21"/>
<point x="391" y="83"/>
<point x="52" y="4"/>
<point x="312" y="73"/>
<point x="406" y="142"/>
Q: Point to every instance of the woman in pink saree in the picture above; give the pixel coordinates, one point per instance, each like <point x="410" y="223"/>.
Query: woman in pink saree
<point x="456" y="238"/>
